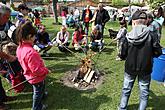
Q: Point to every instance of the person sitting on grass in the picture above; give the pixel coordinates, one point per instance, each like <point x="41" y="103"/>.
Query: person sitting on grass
<point x="78" y="37"/>
<point x="43" y="41"/>
<point x="33" y="66"/>
<point x="96" y="39"/>
<point x="62" y="39"/>
<point x="120" y="37"/>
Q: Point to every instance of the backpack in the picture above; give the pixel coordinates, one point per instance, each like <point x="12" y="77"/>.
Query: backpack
<point x="124" y="49"/>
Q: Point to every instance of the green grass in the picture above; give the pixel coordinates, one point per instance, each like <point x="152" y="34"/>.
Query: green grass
<point x="105" y="97"/>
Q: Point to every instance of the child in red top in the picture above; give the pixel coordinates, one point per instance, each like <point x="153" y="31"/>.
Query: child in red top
<point x="78" y="37"/>
<point x="34" y="69"/>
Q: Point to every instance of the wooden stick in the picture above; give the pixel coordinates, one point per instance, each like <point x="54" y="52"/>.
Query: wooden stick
<point x="21" y="83"/>
<point x="71" y="52"/>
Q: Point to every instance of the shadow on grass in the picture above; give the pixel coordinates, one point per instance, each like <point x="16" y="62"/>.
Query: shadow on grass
<point x="62" y="97"/>
<point x="154" y="103"/>
<point x="110" y="43"/>
<point x="108" y="50"/>
<point x="24" y="100"/>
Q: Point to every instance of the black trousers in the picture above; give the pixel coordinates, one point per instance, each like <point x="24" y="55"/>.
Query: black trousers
<point x="2" y="92"/>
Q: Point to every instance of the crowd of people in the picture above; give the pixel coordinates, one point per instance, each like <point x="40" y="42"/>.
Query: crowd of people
<point x="137" y="47"/>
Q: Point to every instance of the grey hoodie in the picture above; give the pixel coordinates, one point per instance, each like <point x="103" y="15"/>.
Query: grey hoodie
<point x="138" y="34"/>
<point x="142" y="46"/>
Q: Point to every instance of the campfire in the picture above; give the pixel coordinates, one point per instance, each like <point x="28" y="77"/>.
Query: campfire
<point x="86" y="76"/>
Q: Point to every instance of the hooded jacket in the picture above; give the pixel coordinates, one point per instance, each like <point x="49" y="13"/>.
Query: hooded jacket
<point x="142" y="46"/>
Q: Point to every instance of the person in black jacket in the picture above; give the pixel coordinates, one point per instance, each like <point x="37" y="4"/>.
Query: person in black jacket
<point x="141" y="46"/>
<point x="86" y="17"/>
<point x="43" y="41"/>
<point x="102" y="17"/>
<point x="4" y="18"/>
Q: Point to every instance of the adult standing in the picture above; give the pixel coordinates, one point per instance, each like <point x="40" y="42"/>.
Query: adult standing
<point x="158" y="13"/>
<point x="4" y="16"/>
<point x="76" y="15"/>
<point x="154" y="25"/>
<point x="141" y="46"/>
<point x="102" y="17"/>
<point x="64" y="15"/>
<point x="86" y="17"/>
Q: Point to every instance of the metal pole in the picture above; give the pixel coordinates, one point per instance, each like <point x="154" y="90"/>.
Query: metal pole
<point x="11" y="2"/>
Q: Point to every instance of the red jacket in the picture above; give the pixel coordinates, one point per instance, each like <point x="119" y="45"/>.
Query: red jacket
<point x="77" y="37"/>
<point x="31" y="63"/>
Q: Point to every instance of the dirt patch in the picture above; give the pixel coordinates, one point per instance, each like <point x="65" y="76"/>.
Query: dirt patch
<point x="69" y="80"/>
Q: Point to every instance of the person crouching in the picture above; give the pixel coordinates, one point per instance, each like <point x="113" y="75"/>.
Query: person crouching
<point x="78" y="38"/>
<point x="43" y="41"/>
<point x="62" y="39"/>
<point x="96" y="39"/>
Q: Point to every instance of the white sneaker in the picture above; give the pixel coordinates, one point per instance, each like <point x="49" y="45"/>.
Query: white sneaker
<point x="118" y="59"/>
<point x="36" y="48"/>
<point x="44" y="107"/>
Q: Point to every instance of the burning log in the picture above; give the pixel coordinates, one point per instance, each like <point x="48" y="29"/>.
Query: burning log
<point x="86" y="71"/>
<point x="86" y="77"/>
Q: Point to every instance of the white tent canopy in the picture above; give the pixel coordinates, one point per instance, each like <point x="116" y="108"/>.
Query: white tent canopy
<point x="109" y="8"/>
<point x="92" y="8"/>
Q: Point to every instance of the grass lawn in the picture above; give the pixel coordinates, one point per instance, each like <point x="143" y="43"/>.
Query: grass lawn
<point x="105" y="97"/>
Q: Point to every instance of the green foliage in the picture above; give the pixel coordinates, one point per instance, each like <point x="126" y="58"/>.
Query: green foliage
<point x="119" y="3"/>
<point x="155" y="3"/>
<point x="46" y="1"/>
<point x="138" y="4"/>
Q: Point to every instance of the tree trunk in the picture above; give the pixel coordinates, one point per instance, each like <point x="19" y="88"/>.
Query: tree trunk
<point x="11" y="2"/>
<point x="55" y="11"/>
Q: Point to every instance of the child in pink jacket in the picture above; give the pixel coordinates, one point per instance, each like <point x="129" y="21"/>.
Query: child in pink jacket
<point x="31" y="62"/>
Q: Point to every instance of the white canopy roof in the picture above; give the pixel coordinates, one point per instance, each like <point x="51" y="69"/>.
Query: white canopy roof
<point x="110" y="8"/>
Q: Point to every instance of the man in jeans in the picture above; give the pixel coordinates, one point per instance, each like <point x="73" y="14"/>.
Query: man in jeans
<point x="102" y="17"/>
<point x="140" y="46"/>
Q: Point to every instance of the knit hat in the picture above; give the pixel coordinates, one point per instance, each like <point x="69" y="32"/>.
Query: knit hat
<point x="139" y="15"/>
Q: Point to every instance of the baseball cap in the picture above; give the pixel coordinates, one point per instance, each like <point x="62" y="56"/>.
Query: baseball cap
<point x="139" y="15"/>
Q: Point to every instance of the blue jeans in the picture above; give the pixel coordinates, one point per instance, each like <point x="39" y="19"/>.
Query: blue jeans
<point x="98" y="45"/>
<point x="144" y="84"/>
<point x="38" y="93"/>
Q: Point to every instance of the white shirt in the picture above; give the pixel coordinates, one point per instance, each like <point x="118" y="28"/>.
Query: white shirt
<point x="76" y="12"/>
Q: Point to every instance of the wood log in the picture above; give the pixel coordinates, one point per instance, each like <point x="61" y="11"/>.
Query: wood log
<point x="88" y="80"/>
<point x="87" y="74"/>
